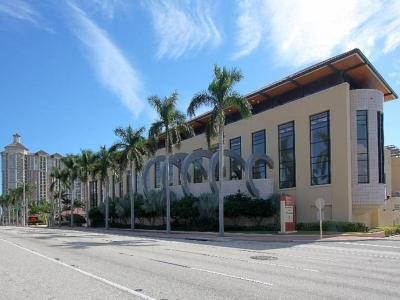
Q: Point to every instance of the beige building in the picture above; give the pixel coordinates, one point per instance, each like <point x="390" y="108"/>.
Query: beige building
<point x="323" y="129"/>
<point x="18" y="164"/>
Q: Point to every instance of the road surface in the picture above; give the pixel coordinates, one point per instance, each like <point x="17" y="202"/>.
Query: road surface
<point x="40" y="263"/>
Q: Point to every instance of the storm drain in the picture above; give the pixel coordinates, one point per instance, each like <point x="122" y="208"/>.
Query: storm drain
<point x="264" y="257"/>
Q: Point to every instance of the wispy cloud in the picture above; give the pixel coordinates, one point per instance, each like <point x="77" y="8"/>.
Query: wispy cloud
<point x="303" y="31"/>
<point x="22" y="11"/>
<point x="182" y="26"/>
<point x="111" y="66"/>
<point x="106" y="8"/>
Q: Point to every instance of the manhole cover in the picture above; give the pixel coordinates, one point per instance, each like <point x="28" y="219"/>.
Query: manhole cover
<point x="264" y="257"/>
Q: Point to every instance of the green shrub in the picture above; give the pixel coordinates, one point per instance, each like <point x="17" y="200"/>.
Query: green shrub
<point x="333" y="226"/>
<point x="390" y="230"/>
<point x="96" y="217"/>
<point x="78" y="220"/>
<point x="185" y="209"/>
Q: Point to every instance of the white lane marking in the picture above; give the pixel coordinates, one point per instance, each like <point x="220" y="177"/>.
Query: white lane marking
<point x="101" y="279"/>
<point x="232" y="276"/>
<point x="248" y="261"/>
<point x="215" y="272"/>
<point x="371" y="245"/>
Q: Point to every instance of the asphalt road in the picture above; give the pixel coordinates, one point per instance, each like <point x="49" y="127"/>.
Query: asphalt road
<point x="39" y="263"/>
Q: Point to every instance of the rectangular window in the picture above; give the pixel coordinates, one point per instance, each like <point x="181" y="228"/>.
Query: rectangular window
<point x="197" y="174"/>
<point x="137" y="182"/>
<point x="381" y="152"/>
<point x="236" y="147"/>
<point x="287" y="159"/>
<point x="259" y="146"/>
<point x="157" y="175"/>
<point x="93" y="193"/>
<point x="362" y="146"/>
<point x="129" y="183"/>
<point x="320" y="149"/>
<point x="171" y="174"/>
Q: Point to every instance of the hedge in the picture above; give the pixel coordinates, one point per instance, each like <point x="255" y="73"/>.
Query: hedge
<point x="333" y="226"/>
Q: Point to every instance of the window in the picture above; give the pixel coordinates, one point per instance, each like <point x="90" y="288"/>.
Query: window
<point x="197" y="173"/>
<point x="259" y="146"/>
<point x="93" y="193"/>
<point x="235" y="146"/>
<point x="171" y="174"/>
<point x="381" y="152"/>
<point x="157" y="175"/>
<point x="287" y="159"/>
<point x="362" y="146"/>
<point x="129" y="183"/>
<point x="320" y="149"/>
<point x="137" y="182"/>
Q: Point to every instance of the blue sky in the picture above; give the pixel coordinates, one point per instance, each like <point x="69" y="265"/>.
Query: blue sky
<point x="72" y="71"/>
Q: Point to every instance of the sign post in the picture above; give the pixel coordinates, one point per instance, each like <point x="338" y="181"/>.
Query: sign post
<point x="320" y="203"/>
<point x="288" y="218"/>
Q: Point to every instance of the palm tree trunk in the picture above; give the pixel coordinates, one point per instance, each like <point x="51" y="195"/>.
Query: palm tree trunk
<point x="72" y="209"/>
<point x="87" y="202"/>
<point x="167" y="194"/>
<point x="132" y="200"/>
<point x="106" y="204"/>
<point x="221" y="180"/>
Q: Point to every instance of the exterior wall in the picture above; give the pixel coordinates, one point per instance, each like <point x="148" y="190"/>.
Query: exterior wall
<point x="395" y="180"/>
<point x="337" y="194"/>
<point x="372" y="192"/>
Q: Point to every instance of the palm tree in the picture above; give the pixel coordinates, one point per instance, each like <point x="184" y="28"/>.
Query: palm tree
<point x="55" y="190"/>
<point x="68" y="176"/>
<point x="171" y="125"/>
<point x="220" y="96"/>
<point x="85" y="162"/>
<point x="130" y="149"/>
<point x="104" y="160"/>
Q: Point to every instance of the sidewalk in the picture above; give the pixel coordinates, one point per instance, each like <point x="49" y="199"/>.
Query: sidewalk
<point x="213" y="236"/>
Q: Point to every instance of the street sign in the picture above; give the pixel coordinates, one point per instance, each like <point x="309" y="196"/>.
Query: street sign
<point x="320" y="203"/>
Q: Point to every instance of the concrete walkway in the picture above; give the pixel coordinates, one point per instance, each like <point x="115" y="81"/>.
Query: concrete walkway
<point x="213" y="236"/>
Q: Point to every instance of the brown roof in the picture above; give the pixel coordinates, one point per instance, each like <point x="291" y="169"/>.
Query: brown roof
<point x="16" y="145"/>
<point x="353" y="64"/>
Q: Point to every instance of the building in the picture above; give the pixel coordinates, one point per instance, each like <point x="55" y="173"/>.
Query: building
<point x="322" y="128"/>
<point x="17" y="161"/>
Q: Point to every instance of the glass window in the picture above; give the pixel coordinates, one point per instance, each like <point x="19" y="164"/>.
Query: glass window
<point x="362" y="146"/>
<point x="137" y="182"/>
<point x="197" y="174"/>
<point x="157" y="175"/>
<point x="320" y="153"/>
<point x="236" y="147"/>
<point x="171" y="174"/>
<point x="259" y="146"/>
<point x="128" y="183"/>
<point x="93" y="193"/>
<point x="287" y="160"/>
<point x="381" y="152"/>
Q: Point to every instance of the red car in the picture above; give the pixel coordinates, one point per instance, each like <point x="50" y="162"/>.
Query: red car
<point x="33" y="219"/>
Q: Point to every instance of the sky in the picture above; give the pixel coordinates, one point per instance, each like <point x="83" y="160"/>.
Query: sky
<point x="72" y="71"/>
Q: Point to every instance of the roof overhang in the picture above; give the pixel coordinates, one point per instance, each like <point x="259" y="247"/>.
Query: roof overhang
<point x="353" y="64"/>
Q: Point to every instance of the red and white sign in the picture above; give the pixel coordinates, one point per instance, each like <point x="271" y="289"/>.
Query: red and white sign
<point x="288" y="215"/>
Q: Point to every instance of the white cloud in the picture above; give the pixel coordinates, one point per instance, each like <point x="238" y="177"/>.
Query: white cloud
<point x="112" y="68"/>
<point x="182" y="26"/>
<point x="303" y="31"/>
<point x="21" y="10"/>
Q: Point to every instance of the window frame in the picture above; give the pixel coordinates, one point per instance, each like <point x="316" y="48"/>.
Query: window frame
<point x="294" y="154"/>
<point x="367" y="145"/>
<point x="265" y="151"/>
<point x="329" y="154"/>
<point x="231" y="160"/>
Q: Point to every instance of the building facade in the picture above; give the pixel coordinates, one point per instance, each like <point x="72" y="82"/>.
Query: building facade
<point x="19" y="166"/>
<point x="323" y="130"/>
